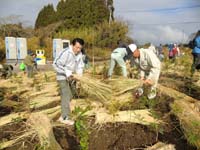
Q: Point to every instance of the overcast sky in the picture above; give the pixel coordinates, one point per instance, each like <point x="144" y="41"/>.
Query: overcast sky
<point x="159" y="21"/>
<point x="155" y="21"/>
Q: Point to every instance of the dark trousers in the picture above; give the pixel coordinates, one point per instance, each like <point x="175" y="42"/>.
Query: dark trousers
<point x="196" y="62"/>
<point x="29" y="71"/>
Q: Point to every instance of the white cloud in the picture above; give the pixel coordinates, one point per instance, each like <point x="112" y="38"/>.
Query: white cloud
<point x="159" y="34"/>
<point x="28" y="9"/>
<point x="172" y="34"/>
<point x="159" y="26"/>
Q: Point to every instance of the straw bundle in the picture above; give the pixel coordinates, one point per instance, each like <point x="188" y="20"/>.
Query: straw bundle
<point x="95" y="89"/>
<point x="161" y="146"/>
<point x="41" y="124"/>
<point x="122" y="86"/>
<point x="41" y="129"/>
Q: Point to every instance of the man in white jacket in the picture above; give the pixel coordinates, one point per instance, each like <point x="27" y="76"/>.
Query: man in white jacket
<point x="149" y="65"/>
<point x="69" y="61"/>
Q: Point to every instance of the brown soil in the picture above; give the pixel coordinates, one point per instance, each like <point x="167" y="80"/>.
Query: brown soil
<point x="124" y="136"/>
<point x="5" y="111"/>
<point x="181" y="84"/>
<point x="66" y="137"/>
<point x="121" y="136"/>
<point x="173" y="134"/>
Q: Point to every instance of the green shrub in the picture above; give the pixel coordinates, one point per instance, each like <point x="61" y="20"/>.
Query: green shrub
<point x="82" y="126"/>
<point x="102" y="35"/>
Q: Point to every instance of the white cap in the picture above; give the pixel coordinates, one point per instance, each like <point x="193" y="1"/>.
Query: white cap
<point x="132" y="47"/>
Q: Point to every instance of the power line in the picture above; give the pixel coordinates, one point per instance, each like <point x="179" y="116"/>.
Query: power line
<point x="172" y="23"/>
<point x="160" y="9"/>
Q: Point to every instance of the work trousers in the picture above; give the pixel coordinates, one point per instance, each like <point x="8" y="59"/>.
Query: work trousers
<point x="67" y="91"/>
<point x="196" y="62"/>
<point x="116" y="58"/>
<point x="29" y="71"/>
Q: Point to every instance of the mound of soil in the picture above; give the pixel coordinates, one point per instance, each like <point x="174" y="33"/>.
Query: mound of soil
<point x="182" y="84"/>
<point x="124" y="136"/>
<point x="121" y="136"/>
<point x="66" y="137"/>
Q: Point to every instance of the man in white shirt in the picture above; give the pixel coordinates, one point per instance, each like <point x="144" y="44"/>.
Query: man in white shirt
<point x="69" y="61"/>
<point x="149" y="66"/>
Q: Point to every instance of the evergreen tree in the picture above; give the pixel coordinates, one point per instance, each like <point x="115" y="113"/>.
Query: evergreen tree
<point x="46" y="16"/>
<point x="75" y="13"/>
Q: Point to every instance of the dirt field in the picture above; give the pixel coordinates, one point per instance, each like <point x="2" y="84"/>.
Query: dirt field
<point x="119" y="123"/>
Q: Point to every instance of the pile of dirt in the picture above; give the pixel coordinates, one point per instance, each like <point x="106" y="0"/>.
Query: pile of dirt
<point x="66" y="137"/>
<point x="125" y="136"/>
<point x="181" y="84"/>
<point x="121" y="136"/>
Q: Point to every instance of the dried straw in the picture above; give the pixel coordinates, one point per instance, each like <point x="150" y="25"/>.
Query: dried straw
<point x="95" y="89"/>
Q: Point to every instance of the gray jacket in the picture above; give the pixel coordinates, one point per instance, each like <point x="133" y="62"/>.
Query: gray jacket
<point x="67" y="63"/>
<point x="149" y="65"/>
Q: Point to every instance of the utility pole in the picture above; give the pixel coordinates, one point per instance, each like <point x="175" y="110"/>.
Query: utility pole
<point x="110" y="16"/>
<point x="183" y="36"/>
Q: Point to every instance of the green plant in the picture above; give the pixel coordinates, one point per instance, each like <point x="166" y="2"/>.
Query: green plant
<point x="157" y="128"/>
<point x="41" y="147"/>
<point x="81" y="126"/>
<point x="193" y="135"/>
<point x="176" y="109"/>
<point x="17" y="119"/>
<point x="192" y="138"/>
<point x="145" y="102"/>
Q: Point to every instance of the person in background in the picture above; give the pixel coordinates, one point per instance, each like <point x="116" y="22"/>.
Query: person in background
<point x="29" y="61"/>
<point x="153" y="48"/>
<point x="120" y="55"/>
<point x="150" y="67"/>
<point x="196" y="53"/>
<point x="85" y="58"/>
<point x="178" y="53"/>
<point x="170" y="48"/>
<point x="160" y="52"/>
<point x="35" y="64"/>
<point x="174" y="52"/>
<point x="66" y="64"/>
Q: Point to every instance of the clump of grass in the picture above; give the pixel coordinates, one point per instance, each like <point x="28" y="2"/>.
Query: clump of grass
<point x="82" y="126"/>
<point x="46" y="77"/>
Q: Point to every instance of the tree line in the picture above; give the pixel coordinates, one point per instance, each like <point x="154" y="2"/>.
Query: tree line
<point x="75" y="13"/>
